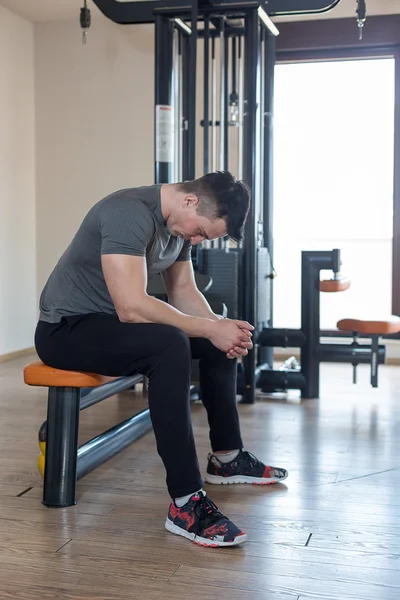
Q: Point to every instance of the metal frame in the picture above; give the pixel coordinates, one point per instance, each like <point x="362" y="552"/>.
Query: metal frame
<point x="163" y="93"/>
<point x="265" y="355"/>
<point x="308" y="338"/>
<point x="257" y="95"/>
<point x="130" y="13"/>
<point x="91" y="396"/>
<point x="396" y="190"/>
<point x="249" y="270"/>
<point x="65" y="462"/>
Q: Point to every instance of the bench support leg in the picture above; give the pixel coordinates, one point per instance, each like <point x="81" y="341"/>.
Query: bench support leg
<point x="61" y="447"/>
<point x="374" y="360"/>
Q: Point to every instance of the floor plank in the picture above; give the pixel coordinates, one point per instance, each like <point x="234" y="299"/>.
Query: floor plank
<point x="332" y="582"/>
<point x="331" y="532"/>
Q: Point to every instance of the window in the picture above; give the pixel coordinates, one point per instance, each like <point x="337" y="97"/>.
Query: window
<point x="333" y="182"/>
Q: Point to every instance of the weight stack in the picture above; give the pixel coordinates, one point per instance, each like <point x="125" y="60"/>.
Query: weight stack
<point x="223" y="268"/>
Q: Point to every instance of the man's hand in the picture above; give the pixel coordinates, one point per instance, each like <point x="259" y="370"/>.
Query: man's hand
<point x="244" y="348"/>
<point x="232" y="337"/>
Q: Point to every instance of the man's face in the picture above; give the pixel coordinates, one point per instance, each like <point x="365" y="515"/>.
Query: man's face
<point x="189" y="225"/>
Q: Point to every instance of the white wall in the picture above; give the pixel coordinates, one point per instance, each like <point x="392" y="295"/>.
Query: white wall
<point x="95" y="123"/>
<point x="17" y="184"/>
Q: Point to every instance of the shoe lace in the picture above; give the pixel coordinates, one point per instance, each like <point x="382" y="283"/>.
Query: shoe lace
<point x="206" y="509"/>
<point x="253" y="459"/>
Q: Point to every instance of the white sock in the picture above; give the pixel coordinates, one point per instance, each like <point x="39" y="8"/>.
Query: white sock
<point x="183" y="499"/>
<point x="226" y="457"/>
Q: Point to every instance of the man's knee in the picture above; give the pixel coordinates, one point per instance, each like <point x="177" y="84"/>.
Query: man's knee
<point x="175" y="340"/>
<point x="210" y="352"/>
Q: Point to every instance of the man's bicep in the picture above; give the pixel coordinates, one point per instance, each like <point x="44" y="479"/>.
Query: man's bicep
<point x="178" y="276"/>
<point x="126" y="280"/>
<point x="186" y="252"/>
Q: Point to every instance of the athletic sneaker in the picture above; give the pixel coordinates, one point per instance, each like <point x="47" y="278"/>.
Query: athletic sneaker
<point x="245" y="468"/>
<point x="200" y="520"/>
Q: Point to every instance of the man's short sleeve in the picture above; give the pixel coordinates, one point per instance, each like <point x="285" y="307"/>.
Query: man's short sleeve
<point x="126" y="227"/>
<point x="186" y="252"/>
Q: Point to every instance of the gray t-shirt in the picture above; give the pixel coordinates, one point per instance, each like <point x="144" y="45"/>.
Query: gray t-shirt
<point x="129" y="221"/>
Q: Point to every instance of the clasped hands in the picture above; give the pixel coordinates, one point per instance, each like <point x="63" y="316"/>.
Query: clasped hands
<point x="232" y="337"/>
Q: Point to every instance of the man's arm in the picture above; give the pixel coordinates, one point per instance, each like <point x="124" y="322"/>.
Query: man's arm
<point x="126" y="279"/>
<point x="183" y="293"/>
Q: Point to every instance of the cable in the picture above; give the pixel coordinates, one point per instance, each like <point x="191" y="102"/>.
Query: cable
<point x="85" y="20"/>
<point x="361" y="16"/>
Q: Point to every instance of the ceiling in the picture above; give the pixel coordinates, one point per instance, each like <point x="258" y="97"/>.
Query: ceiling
<point x="58" y="10"/>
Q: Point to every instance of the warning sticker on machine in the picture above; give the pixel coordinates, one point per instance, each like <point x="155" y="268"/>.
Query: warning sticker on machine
<point x="164" y="133"/>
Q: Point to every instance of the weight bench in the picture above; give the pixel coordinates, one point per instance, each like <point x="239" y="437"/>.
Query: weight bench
<point x="374" y="330"/>
<point x="64" y="462"/>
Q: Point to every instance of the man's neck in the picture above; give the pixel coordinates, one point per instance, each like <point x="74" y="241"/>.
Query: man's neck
<point x="168" y="199"/>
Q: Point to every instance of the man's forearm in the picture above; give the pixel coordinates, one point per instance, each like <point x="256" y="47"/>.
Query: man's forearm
<point x="152" y="310"/>
<point x="192" y="302"/>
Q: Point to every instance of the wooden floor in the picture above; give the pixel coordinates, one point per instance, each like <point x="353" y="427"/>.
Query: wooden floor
<point x="332" y="532"/>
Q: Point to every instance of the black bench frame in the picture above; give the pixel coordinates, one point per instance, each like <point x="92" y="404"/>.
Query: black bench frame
<point x="65" y="462"/>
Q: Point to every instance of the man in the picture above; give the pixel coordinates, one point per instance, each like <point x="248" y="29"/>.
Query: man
<point x="96" y="316"/>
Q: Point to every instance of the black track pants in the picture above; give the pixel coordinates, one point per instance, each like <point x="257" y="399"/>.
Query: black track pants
<point x="100" y="343"/>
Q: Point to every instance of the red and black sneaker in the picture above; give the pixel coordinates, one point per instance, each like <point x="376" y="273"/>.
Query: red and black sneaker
<point x="245" y="468"/>
<point x="200" y="520"/>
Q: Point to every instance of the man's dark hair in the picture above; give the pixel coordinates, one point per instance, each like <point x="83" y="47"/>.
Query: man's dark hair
<point x="222" y="196"/>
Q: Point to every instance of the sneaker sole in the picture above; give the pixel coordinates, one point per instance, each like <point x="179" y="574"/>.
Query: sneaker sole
<point x="200" y="541"/>
<point x="217" y="479"/>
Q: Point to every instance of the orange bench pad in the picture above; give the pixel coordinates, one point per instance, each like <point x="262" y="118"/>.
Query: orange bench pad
<point x="384" y="327"/>
<point x="39" y="374"/>
<point x="334" y="285"/>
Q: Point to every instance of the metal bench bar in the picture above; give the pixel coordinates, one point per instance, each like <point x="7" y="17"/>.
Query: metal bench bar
<point x="102" y="392"/>
<point x="104" y="446"/>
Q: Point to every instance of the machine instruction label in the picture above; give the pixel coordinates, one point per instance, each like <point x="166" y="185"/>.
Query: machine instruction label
<point x="164" y="133"/>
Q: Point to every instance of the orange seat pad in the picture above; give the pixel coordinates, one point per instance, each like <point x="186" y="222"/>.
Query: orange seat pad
<point x="335" y="285"/>
<point x="39" y="374"/>
<point x="383" y="327"/>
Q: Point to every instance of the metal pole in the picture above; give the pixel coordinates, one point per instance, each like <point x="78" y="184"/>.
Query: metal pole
<point x="396" y="189"/>
<point x="310" y="324"/>
<point x="185" y="107"/>
<point x="234" y="68"/>
<point x="249" y="284"/>
<point x="260" y="130"/>
<point x="353" y="353"/>
<point x="192" y="94"/>
<point x="222" y="93"/>
<point x="312" y="262"/>
<point x="179" y="115"/>
<point x="213" y="106"/>
<point x="164" y="117"/>
<point x="107" y="444"/>
<point x="269" y="71"/>
<point x="108" y="389"/>
<point x="222" y="98"/>
<point x="241" y="108"/>
<point x="374" y="359"/>
<point x="206" y="93"/>
<point x="60" y="472"/>
<point x="175" y="102"/>
<point x="268" y="165"/>
<point x="226" y="105"/>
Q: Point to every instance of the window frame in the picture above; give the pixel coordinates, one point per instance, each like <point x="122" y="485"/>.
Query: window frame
<point x="337" y="39"/>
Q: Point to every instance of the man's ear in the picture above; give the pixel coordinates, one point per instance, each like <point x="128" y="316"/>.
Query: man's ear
<point x="190" y="201"/>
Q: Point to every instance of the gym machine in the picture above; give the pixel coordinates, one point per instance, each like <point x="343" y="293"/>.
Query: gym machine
<point x="308" y="337"/>
<point x="238" y="44"/>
